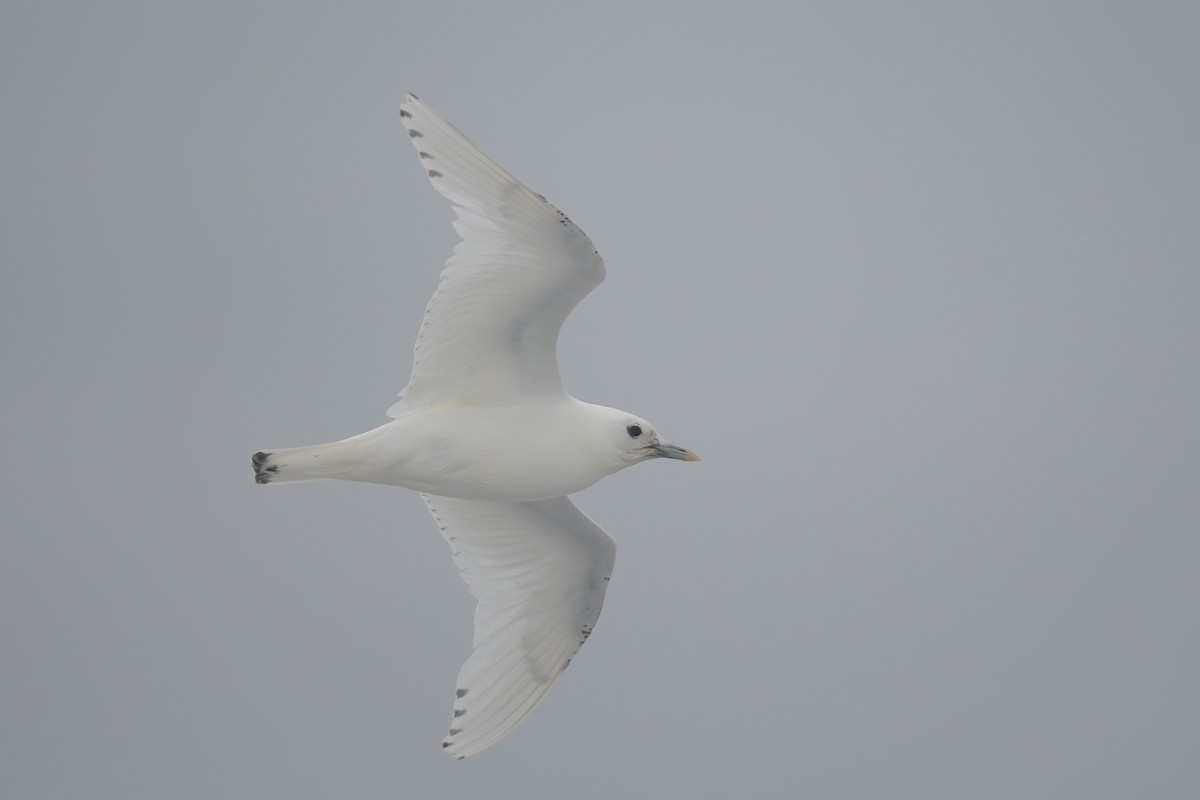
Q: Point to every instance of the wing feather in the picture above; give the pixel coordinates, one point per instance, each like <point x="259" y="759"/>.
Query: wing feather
<point x="490" y="331"/>
<point x="539" y="571"/>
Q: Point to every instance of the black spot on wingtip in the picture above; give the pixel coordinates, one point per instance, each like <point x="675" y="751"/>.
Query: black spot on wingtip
<point x="423" y="154"/>
<point x="455" y="731"/>
<point x="259" y="458"/>
<point x="404" y="114"/>
<point x="445" y="745"/>
<point x="458" y="712"/>
<point x="433" y="173"/>
<point x="415" y="134"/>
<point x="461" y="693"/>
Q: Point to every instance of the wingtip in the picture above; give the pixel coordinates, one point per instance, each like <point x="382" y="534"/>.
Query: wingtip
<point x="406" y="106"/>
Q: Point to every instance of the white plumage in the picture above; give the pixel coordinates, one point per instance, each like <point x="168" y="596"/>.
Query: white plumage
<point x="539" y="571"/>
<point x="490" y="330"/>
<point x="489" y="436"/>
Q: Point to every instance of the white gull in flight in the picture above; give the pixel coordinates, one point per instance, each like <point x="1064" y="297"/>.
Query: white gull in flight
<point x="489" y="436"/>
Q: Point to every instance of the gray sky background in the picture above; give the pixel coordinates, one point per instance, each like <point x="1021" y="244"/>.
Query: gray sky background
<point x="918" y="280"/>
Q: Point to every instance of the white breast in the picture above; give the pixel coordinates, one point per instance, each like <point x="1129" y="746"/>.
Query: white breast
<point x="516" y="453"/>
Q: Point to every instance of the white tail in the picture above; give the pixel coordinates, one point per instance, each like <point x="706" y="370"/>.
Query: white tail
<point x="313" y="463"/>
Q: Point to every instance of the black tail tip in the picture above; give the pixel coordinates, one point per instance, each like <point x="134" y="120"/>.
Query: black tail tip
<point x="263" y="470"/>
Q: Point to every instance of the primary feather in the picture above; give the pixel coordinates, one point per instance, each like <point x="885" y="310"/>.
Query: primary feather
<point x="491" y="329"/>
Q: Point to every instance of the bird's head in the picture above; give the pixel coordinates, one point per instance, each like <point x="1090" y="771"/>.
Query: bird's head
<point x="635" y="440"/>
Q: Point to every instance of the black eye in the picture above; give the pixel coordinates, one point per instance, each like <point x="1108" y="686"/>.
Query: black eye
<point x="634" y="431"/>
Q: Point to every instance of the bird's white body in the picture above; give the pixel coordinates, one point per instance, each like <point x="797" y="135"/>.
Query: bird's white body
<point x="489" y="436"/>
<point x="518" y="452"/>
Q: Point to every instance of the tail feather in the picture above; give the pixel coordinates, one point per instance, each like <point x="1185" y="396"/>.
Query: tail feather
<point x="313" y="463"/>
<point x="265" y="470"/>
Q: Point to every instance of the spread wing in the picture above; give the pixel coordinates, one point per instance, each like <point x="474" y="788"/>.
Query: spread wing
<point x="491" y="328"/>
<point x="539" y="571"/>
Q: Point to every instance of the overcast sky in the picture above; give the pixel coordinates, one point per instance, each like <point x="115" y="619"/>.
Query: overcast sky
<point x="920" y="281"/>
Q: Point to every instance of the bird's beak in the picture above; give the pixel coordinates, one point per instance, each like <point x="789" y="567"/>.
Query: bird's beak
<point x="671" y="451"/>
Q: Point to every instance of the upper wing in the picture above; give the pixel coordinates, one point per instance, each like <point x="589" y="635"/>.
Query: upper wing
<point x="490" y="331"/>
<point x="539" y="571"/>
